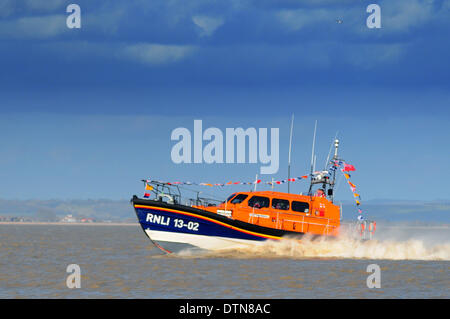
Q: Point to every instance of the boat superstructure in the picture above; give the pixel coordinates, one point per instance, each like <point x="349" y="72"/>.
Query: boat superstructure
<point x="245" y="218"/>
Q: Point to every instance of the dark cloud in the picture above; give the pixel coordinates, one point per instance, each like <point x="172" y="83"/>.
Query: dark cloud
<point x="232" y="40"/>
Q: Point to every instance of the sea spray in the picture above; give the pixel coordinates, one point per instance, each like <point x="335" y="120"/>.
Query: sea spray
<point x="344" y="246"/>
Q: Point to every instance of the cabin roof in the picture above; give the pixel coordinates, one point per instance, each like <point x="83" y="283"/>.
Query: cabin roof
<point x="287" y="196"/>
<point x="274" y="194"/>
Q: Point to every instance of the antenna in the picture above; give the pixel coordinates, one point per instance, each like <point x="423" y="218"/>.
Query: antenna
<point x="313" y="145"/>
<point x="312" y="158"/>
<point x="314" y="166"/>
<point x="289" y="158"/>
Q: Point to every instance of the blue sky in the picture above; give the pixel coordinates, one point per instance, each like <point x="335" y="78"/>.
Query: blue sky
<point x="86" y="113"/>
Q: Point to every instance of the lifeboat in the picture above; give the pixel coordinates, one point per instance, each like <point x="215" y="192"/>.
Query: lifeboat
<point x="245" y="218"/>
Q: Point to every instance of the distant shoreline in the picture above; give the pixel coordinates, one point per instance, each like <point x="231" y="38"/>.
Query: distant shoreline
<point x="384" y="226"/>
<point x="69" y="224"/>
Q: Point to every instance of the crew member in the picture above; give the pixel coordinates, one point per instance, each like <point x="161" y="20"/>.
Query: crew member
<point x="320" y="193"/>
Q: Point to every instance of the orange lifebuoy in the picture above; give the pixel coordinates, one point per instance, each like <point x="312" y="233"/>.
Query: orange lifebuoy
<point x="363" y="226"/>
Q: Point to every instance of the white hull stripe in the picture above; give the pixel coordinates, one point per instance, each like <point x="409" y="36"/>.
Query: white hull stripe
<point x="200" y="241"/>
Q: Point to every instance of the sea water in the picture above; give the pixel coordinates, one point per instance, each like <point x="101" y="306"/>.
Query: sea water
<point x="119" y="261"/>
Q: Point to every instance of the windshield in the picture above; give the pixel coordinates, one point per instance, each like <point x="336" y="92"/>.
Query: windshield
<point x="230" y="197"/>
<point x="238" y="199"/>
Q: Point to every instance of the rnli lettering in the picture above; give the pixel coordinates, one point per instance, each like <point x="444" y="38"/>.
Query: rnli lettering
<point x="157" y="219"/>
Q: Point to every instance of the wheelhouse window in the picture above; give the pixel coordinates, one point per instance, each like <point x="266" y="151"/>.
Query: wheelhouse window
<point x="282" y="204"/>
<point x="259" y="202"/>
<point x="301" y="207"/>
<point x="230" y="197"/>
<point x="239" y="199"/>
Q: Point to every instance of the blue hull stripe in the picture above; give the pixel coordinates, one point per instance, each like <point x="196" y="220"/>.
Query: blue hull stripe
<point x="185" y="222"/>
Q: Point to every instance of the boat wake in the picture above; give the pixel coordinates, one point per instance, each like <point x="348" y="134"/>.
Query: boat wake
<point x="390" y="247"/>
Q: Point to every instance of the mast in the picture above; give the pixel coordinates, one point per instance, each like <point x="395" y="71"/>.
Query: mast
<point x="336" y="146"/>
<point x="335" y="158"/>
<point x="312" y="157"/>
<point x="313" y="145"/>
<point x="289" y="158"/>
<point x="329" y="152"/>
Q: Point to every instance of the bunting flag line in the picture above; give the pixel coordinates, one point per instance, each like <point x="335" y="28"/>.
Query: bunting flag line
<point x="149" y="187"/>
<point x="345" y="168"/>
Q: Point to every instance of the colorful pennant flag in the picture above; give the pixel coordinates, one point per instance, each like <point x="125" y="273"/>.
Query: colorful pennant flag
<point x="348" y="167"/>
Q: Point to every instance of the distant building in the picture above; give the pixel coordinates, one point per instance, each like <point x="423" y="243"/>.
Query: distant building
<point x="69" y="219"/>
<point x="15" y="219"/>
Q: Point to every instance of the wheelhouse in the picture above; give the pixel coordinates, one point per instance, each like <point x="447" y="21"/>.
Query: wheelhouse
<point x="279" y="201"/>
<point x="286" y="211"/>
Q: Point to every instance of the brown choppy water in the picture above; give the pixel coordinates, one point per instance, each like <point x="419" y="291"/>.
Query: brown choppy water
<point x="120" y="262"/>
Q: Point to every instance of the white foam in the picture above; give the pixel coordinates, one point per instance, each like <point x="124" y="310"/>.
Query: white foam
<point x="392" y="247"/>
